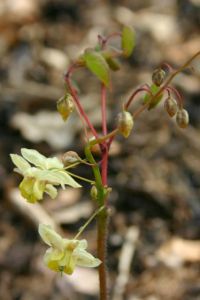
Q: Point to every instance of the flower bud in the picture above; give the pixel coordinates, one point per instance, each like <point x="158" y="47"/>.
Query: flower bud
<point x="93" y="192"/>
<point x="65" y="106"/>
<point x="170" y="106"/>
<point x="70" y="157"/>
<point x="125" y="123"/>
<point x="182" y="118"/>
<point x="158" y="76"/>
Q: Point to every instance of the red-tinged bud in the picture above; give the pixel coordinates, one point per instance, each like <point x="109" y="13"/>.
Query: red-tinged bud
<point x="70" y="157"/>
<point x="171" y="106"/>
<point x="182" y="118"/>
<point x="65" y="106"/>
<point x="158" y="76"/>
<point x="125" y="123"/>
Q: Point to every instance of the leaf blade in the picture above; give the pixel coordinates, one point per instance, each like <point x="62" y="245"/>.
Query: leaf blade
<point x="97" y="64"/>
<point x="128" y="40"/>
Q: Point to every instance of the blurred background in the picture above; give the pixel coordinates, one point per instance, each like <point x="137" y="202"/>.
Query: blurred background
<point x="154" y="231"/>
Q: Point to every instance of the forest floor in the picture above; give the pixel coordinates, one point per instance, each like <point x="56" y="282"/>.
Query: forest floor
<point x="154" y="228"/>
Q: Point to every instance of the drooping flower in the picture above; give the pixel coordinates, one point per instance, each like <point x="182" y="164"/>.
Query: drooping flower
<point x="42" y="177"/>
<point x="64" y="254"/>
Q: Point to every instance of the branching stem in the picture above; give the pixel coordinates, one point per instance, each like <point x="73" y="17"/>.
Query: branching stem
<point x="104" y="142"/>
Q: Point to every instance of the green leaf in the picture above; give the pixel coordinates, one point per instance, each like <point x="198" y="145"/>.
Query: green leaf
<point x="154" y="89"/>
<point x="128" y="40"/>
<point x="97" y="64"/>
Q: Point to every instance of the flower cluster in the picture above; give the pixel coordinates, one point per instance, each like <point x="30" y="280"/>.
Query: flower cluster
<point x="64" y="255"/>
<point x="42" y="177"/>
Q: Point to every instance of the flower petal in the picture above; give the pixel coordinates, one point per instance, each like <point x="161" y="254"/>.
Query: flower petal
<point x="20" y="162"/>
<point x="50" y="237"/>
<point x="26" y="189"/>
<point x="82" y="244"/>
<point x="54" y="254"/>
<point x="55" y="177"/>
<point x="85" y="259"/>
<point x="34" y="157"/>
<point x="51" y="191"/>
<point x="67" y="179"/>
<point x="68" y="262"/>
<point x="44" y="175"/>
<point x="51" y="264"/>
<point x="38" y="189"/>
<point x="53" y="163"/>
<point x="39" y="160"/>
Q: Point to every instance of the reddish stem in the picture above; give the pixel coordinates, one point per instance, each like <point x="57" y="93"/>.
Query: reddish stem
<point x="103" y="109"/>
<point x="167" y="66"/>
<point x="103" y="217"/>
<point x="179" y="98"/>
<point x="104" y="165"/>
<point x="79" y="106"/>
<point x="101" y="249"/>
<point x="142" y="89"/>
<point x="109" y="37"/>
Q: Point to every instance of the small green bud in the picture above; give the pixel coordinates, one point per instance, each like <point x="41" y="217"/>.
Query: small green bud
<point x="170" y="106"/>
<point x="65" y="106"/>
<point x="158" y="76"/>
<point x="125" y="123"/>
<point x="94" y="192"/>
<point x="182" y="118"/>
<point x="70" y="157"/>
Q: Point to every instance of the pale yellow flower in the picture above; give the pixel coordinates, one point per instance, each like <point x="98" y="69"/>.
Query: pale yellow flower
<point x="42" y="177"/>
<point x="64" y="255"/>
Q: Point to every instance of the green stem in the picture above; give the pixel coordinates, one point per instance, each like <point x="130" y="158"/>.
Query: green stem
<point x="103" y="138"/>
<point x="97" y="174"/>
<point x="81" y="178"/>
<point x="101" y="223"/>
<point x="72" y="165"/>
<point x="82" y="228"/>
